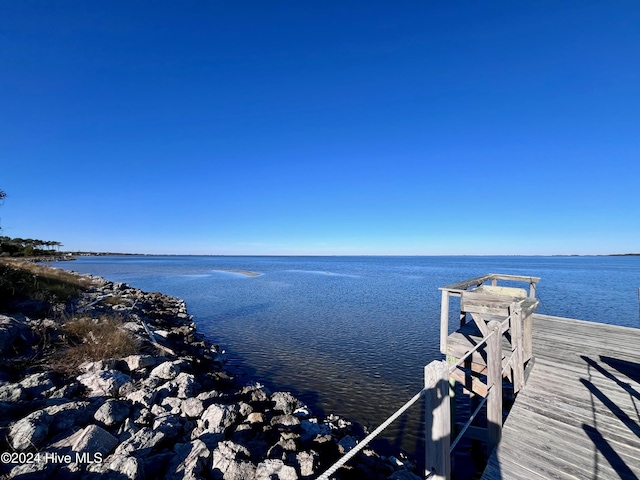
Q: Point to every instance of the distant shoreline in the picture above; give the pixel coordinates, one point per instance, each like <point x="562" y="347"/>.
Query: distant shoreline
<point x="115" y="254"/>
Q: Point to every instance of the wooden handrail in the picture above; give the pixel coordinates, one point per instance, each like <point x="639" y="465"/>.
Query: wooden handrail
<point x="437" y="374"/>
<point x="457" y="289"/>
<point x="494" y="277"/>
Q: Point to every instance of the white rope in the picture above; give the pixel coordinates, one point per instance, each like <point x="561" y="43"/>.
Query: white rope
<point x="508" y="364"/>
<point x="351" y="453"/>
<point x="468" y="354"/>
<point x="504" y="324"/>
<point x="466" y="425"/>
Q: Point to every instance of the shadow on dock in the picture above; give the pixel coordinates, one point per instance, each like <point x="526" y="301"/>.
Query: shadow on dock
<point x="632" y="371"/>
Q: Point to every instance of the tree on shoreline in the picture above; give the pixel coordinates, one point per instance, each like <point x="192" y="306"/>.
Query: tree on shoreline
<point x="3" y="195"/>
<point x="29" y="247"/>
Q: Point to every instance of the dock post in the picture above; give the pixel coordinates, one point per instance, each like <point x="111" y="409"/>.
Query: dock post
<point x="494" y="402"/>
<point x="437" y="421"/>
<point x="444" y="321"/>
<point x="517" y="346"/>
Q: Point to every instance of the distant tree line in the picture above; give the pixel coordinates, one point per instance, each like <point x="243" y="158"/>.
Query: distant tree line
<point x="27" y="247"/>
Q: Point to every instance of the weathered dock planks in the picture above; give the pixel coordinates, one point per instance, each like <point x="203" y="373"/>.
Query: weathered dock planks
<point x="579" y="414"/>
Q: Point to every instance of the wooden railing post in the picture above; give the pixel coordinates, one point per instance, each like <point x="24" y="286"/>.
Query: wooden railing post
<point x="437" y="421"/>
<point x="517" y="346"/>
<point x="444" y="321"/>
<point x="527" y="337"/>
<point x="494" y="380"/>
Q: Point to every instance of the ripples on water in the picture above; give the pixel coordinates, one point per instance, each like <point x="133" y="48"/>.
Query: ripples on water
<point x="351" y="335"/>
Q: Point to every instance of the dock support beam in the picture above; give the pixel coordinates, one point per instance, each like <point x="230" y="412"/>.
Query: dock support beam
<point x="494" y="402"/>
<point x="437" y="421"/>
<point x="444" y="321"/>
<point x="517" y="346"/>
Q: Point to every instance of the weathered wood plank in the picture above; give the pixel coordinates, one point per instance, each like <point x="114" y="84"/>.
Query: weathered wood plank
<point x="474" y="282"/>
<point x="438" y="420"/>
<point x="469" y="382"/>
<point x="494" y="380"/>
<point x="578" y="415"/>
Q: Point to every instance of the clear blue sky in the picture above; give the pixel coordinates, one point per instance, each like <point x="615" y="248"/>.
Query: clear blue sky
<point x="419" y="127"/>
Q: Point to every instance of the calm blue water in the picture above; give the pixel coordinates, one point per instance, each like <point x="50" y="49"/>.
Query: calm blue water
<point x="351" y="335"/>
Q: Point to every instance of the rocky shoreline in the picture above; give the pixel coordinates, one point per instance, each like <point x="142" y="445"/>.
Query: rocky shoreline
<point x="173" y="410"/>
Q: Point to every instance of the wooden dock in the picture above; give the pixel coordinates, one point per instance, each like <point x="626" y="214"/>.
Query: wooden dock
<point x="576" y="384"/>
<point x="579" y="414"/>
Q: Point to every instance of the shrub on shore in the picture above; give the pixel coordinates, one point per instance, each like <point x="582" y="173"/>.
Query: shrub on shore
<point x="25" y="281"/>
<point x="89" y="339"/>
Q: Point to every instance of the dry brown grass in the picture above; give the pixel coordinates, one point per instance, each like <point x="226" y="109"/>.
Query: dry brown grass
<point x="20" y="279"/>
<point x="89" y="340"/>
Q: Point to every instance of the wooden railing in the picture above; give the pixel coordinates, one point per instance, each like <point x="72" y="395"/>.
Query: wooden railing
<point x="456" y="290"/>
<point x="496" y="311"/>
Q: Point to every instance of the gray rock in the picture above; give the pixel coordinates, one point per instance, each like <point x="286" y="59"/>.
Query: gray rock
<point x="95" y="439"/>
<point x="261" y="393"/>
<point x="307" y="463"/>
<point x="142" y="416"/>
<point x="270" y="467"/>
<point x="112" y="412"/>
<point x="370" y="458"/>
<point x="256" y="418"/>
<point x="94" y="367"/>
<point x="69" y="390"/>
<point x="10" y="330"/>
<point x="185" y="385"/>
<point x="280" y="449"/>
<point x="346" y="443"/>
<point x="166" y="371"/>
<point x="311" y="429"/>
<point x="127" y="388"/>
<point x="133" y="327"/>
<point x="172" y="404"/>
<point x="231" y="462"/>
<point x="152" y="382"/>
<point x="170" y="425"/>
<point x="336" y="423"/>
<point x="210" y="395"/>
<point x="37" y="384"/>
<point x="285" y="421"/>
<point x="138" y="362"/>
<point x="11" y="392"/>
<point x="244" y="409"/>
<point x="127" y="430"/>
<point x="191" y="408"/>
<point x="67" y="415"/>
<point x="189" y="462"/>
<point x="30" y="431"/>
<point x="285" y="402"/>
<point x="130" y="467"/>
<point x="217" y="418"/>
<point x="141" y="443"/>
<point x="34" y="470"/>
<point x="125" y="467"/>
<point x="243" y="433"/>
<point x="158" y="410"/>
<point x="66" y="442"/>
<point x="103" y="382"/>
<point x="144" y="397"/>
